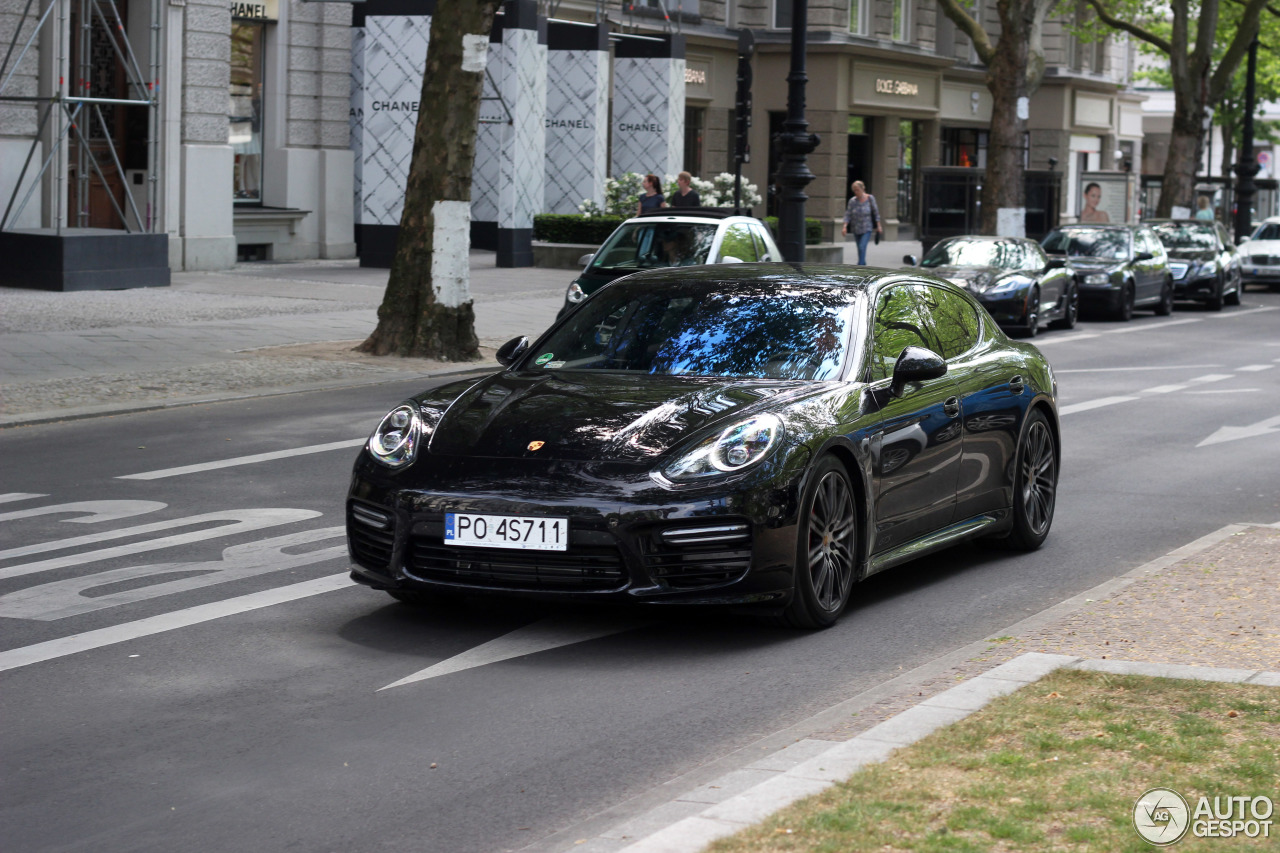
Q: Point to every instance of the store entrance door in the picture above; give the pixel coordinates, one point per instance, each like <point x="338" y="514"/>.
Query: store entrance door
<point x="859" y="154"/>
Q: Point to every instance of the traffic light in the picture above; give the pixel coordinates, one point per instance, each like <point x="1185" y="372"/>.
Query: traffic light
<point x="742" y="104"/>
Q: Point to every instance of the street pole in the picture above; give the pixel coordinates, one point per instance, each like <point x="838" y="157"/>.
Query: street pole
<point x="795" y="143"/>
<point x="1246" y="164"/>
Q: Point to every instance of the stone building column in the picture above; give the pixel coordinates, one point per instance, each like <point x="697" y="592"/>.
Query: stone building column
<point x="648" y="105"/>
<point x="577" y="115"/>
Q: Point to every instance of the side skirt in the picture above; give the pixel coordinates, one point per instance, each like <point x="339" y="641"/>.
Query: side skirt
<point x="979" y="525"/>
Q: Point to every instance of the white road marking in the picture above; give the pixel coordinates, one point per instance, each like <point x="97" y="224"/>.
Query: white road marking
<point x="244" y="460"/>
<point x="89" y="593"/>
<point x="1135" y="369"/>
<point x="1068" y="339"/>
<point x="1225" y="391"/>
<point x="1164" y="389"/>
<point x="1093" y="404"/>
<point x="1254" y="368"/>
<point x="63" y="646"/>
<point x="537" y="637"/>
<point x="1211" y="377"/>
<point x="1231" y="315"/>
<point x="1150" y="326"/>
<point x="1232" y="433"/>
<point x="97" y="510"/>
<point x="243" y="520"/>
<point x="26" y="496"/>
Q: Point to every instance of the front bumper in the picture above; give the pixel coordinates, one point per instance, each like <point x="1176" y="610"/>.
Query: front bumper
<point x="1006" y="309"/>
<point x="629" y="539"/>
<point x="1260" y="275"/>
<point x="1195" y="285"/>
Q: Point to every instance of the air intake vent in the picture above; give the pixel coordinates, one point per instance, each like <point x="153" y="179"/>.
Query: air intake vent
<point x="371" y="535"/>
<point x="593" y="568"/>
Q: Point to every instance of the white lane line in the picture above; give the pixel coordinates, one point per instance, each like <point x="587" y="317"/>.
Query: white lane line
<point x="537" y="637"/>
<point x="1225" y="391"/>
<point x="243" y="460"/>
<point x="97" y="510"/>
<point x="1231" y="315"/>
<point x="1135" y="369"/>
<point x="63" y="646"/>
<point x="1093" y="404"/>
<point x="1211" y="377"/>
<point x="1254" y="368"/>
<point x="1149" y="327"/>
<point x="26" y="496"/>
<point x="1164" y="389"/>
<point x="1081" y="337"/>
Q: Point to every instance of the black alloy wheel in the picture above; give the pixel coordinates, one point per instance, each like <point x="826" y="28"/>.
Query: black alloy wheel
<point x="1124" y="311"/>
<point x="1035" y="486"/>
<point x="1070" y="311"/>
<point x="1165" y="308"/>
<point x="826" y="547"/>
<point x="1217" y="299"/>
<point x="1031" y="323"/>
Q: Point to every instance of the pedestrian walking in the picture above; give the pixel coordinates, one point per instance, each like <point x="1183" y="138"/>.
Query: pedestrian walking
<point x="652" y="198"/>
<point x="862" y="218"/>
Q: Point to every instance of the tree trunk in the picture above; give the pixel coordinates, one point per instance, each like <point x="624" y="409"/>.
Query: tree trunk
<point x="1003" y="187"/>
<point x="1178" y="187"/>
<point x="427" y="310"/>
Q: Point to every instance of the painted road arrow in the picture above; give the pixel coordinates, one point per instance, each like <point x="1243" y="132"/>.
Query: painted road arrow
<point x="1231" y="433"/>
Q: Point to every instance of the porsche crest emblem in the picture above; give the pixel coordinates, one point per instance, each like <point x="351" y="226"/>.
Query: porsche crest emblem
<point x="536" y="445"/>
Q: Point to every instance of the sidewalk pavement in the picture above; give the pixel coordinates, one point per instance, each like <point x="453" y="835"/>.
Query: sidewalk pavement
<point x="278" y="328"/>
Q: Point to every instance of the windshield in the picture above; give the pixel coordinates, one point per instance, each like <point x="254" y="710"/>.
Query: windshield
<point x="1267" y="231"/>
<point x="642" y="245"/>
<point x="1184" y="237"/>
<point x="975" y="253"/>
<point x="1110" y="244"/>
<point x="767" y="331"/>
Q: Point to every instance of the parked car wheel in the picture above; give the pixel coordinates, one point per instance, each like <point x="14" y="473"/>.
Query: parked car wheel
<point x="826" y="544"/>
<point x="1124" y="310"/>
<point x="1070" y="311"/>
<point x="1217" y="299"/>
<point x="1233" y="298"/>
<point x="1031" y="323"/>
<point x="1035" y="486"/>
<point x="1165" y="308"/>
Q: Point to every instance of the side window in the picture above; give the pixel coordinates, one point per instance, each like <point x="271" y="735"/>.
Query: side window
<point x="1224" y="236"/>
<point x="1036" y="258"/>
<point x="762" y="248"/>
<point x="956" y="322"/>
<point x="738" y="243"/>
<point x="898" y="325"/>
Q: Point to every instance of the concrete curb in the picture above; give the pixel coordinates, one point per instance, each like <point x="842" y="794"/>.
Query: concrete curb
<point x="718" y="817"/>
<point x="722" y="798"/>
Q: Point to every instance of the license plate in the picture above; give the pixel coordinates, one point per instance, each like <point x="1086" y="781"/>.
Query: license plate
<point x="521" y="532"/>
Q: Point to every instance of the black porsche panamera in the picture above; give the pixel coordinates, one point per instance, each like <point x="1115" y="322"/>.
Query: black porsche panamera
<point x="761" y="434"/>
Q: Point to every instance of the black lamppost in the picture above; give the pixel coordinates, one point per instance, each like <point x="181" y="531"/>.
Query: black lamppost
<point x="1247" y="165"/>
<point x="795" y="143"/>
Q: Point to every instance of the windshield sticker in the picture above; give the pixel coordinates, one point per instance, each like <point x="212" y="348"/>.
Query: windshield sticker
<point x="552" y="365"/>
<point x="544" y="358"/>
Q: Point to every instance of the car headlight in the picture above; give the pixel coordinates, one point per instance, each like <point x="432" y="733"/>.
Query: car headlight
<point x="1209" y="268"/>
<point x="735" y="449"/>
<point x="1097" y="278"/>
<point x="1006" y="286"/>
<point x="574" y="294"/>
<point x="395" y="442"/>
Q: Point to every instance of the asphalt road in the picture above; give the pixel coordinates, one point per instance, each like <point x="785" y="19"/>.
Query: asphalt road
<point x="184" y="664"/>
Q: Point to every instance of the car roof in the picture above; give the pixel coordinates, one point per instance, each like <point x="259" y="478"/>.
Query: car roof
<point x="989" y="238"/>
<point x="692" y="215"/>
<point x="810" y="275"/>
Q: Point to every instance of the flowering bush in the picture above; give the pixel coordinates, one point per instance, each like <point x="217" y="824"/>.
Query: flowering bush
<point x="622" y="194"/>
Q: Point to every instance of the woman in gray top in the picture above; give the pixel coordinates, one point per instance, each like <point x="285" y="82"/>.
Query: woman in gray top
<point x="862" y="217"/>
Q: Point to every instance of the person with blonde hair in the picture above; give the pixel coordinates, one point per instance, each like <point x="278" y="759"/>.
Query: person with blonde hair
<point x="685" y="195"/>
<point x="862" y="216"/>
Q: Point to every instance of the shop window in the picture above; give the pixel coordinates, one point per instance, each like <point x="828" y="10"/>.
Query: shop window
<point x="858" y="16"/>
<point x="782" y="14"/>
<point x="695" y="121"/>
<point x="964" y="146"/>
<point x="902" y="30"/>
<point x="245" y="113"/>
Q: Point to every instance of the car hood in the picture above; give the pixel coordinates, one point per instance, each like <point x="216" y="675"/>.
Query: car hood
<point x="587" y="416"/>
<point x="1094" y="264"/>
<point x="1261" y="247"/>
<point x="1192" y="255"/>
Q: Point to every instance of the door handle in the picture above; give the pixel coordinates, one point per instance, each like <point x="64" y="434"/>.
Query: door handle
<point x="1017" y="384"/>
<point x="951" y="407"/>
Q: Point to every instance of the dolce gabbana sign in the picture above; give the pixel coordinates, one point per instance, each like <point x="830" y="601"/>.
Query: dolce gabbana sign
<point x="889" y="86"/>
<point x="894" y="88"/>
<point x="263" y="10"/>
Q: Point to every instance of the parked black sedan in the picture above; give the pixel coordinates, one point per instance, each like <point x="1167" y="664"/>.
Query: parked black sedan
<point x="1117" y="267"/>
<point x="1204" y="262"/>
<point x="761" y="434"/>
<point x="1018" y="284"/>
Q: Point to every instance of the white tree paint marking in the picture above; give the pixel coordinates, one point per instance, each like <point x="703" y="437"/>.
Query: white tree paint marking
<point x="8" y="497"/>
<point x="76" y="596"/>
<point x="63" y="646"/>
<point x="242" y="521"/>
<point x="244" y="460"/>
<point x="1232" y="433"/>
<point x="538" y="637"/>
<point x="95" y="510"/>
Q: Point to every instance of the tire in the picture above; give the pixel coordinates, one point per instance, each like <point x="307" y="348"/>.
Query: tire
<point x="1031" y="327"/>
<point x="1165" y="306"/>
<point x="826" y="548"/>
<point x="1233" y="298"/>
<point x="1070" y="312"/>
<point x="1124" y="311"/>
<point x="1035" y="485"/>
<point x="1216" y="299"/>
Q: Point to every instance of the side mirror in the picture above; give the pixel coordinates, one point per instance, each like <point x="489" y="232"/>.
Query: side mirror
<point x="910" y="260"/>
<point x="1242" y="240"/>
<point x="1056" y="262"/>
<point x="1143" y="256"/>
<point x="586" y="259"/>
<point x="730" y="259"/>
<point x="915" y="364"/>
<point x="511" y="350"/>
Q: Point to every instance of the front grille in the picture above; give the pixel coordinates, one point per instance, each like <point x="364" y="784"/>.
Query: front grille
<point x="591" y="568"/>
<point x="371" y="534"/>
<point x="691" y="557"/>
<point x="1179" y="270"/>
<point x="1265" y="260"/>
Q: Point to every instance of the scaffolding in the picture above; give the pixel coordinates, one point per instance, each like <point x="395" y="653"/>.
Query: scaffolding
<point x="70" y="109"/>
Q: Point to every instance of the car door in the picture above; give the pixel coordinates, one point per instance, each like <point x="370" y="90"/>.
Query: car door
<point x="1152" y="268"/>
<point x="916" y="443"/>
